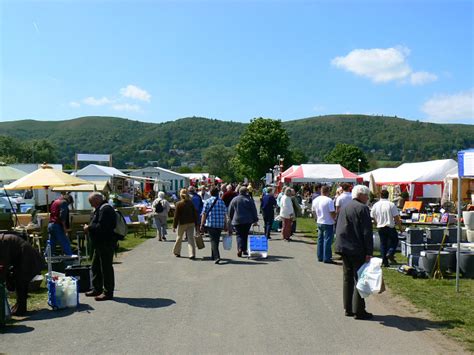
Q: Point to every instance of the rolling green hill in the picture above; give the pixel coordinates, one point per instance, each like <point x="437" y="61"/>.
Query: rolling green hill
<point x="172" y="143"/>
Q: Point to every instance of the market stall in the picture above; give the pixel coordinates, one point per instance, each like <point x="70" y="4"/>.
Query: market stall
<point x="324" y="173"/>
<point x="420" y="180"/>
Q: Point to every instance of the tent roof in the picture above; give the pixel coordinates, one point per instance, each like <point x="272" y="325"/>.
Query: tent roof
<point x="288" y="171"/>
<point x="423" y="172"/>
<point x="198" y="176"/>
<point x="92" y="186"/>
<point x="8" y="173"/>
<point x="99" y="170"/>
<point x="321" y="173"/>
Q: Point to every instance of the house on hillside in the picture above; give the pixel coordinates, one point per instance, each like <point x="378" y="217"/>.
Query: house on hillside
<point x="168" y="180"/>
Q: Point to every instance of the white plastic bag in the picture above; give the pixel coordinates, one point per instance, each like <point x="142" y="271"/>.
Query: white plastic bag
<point x="227" y="242"/>
<point x="370" y="278"/>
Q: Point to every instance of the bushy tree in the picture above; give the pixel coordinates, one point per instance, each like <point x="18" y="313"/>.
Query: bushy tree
<point x="219" y="160"/>
<point x="260" y="144"/>
<point x="348" y="156"/>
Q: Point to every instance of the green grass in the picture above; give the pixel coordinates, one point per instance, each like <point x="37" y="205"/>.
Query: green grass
<point x="307" y="227"/>
<point x="453" y="311"/>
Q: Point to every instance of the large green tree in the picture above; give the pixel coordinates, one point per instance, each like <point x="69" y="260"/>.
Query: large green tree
<point x="260" y="144"/>
<point x="219" y="160"/>
<point x="349" y="156"/>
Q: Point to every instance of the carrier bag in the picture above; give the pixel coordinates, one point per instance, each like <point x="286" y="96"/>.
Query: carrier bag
<point x="227" y="242"/>
<point x="370" y="278"/>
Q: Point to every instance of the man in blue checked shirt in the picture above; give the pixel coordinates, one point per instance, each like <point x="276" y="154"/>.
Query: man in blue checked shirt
<point x="213" y="219"/>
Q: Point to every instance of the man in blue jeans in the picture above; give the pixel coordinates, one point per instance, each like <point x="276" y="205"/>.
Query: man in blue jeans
<point x="58" y="224"/>
<point x="325" y="213"/>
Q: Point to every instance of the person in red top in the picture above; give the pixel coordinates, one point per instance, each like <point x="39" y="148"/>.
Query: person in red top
<point x="58" y="224"/>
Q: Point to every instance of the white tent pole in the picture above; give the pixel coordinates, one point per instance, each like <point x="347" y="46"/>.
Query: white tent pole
<point x="458" y="251"/>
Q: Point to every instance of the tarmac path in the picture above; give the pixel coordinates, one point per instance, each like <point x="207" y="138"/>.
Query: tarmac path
<point x="288" y="303"/>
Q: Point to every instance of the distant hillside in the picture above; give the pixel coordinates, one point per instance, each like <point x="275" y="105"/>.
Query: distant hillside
<point x="182" y="141"/>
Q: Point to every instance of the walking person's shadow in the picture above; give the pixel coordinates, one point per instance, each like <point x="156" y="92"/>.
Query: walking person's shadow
<point x="145" y="302"/>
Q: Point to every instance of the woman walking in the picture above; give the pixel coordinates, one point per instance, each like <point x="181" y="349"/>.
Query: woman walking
<point x="161" y="207"/>
<point x="185" y="218"/>
<point x="214" y="220"/>
<point x="242" y="213"/>
<point x="287" y="213"/>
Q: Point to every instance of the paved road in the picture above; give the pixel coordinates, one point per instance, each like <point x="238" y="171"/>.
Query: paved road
<point x="287" y="303"/>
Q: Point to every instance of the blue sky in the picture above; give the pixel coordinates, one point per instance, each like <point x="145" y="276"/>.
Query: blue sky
<point x="158" y="61"/>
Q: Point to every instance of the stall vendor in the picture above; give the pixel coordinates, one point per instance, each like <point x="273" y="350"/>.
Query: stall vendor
<point x="19" y="263"/>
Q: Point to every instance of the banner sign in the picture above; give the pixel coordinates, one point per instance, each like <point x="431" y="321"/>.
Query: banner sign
<point x="466" y="163"/>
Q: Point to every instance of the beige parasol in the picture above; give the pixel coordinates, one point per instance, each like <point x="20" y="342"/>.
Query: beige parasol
<point x="7" y="173"/>
<point x="44" y="178"/>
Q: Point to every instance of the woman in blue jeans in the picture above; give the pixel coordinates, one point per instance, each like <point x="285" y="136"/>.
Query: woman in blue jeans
<point x="242" y="214"/>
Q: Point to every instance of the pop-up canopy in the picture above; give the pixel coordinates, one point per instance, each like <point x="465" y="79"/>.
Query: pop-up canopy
<point x="423" y="179"/>
<point x="320" y="173"/>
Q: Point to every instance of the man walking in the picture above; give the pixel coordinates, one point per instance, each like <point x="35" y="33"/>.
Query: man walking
<point x="354" y="242"/>
<point x="325" y="213"/>
<point x="103" y="242"/>
<point x="386" y="215"/>
<point x="268" y="210"/>
<point x="214" y="219"/>
<point x="242" y="213"/>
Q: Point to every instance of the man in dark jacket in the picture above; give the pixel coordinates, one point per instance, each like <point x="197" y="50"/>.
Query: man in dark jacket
<point x="242" y="214"/>
<point x="354" y="243"/>
<point x="19" y="263"/>
<point x="268" y="204"/>
<point x="103" y="241"/>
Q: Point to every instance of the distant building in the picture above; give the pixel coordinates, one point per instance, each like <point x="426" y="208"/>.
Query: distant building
<point x="168" y="180"/>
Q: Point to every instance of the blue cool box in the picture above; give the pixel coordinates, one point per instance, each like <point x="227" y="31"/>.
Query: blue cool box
<point x="258" y="243"/>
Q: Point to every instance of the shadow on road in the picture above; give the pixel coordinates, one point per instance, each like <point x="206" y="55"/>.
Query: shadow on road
<point x="16" y="329"/>
<point x="44" y="314"/>
<point x="243" y="262"/>
<point x="304" y="241"/>
<point x="145" y="302"/>
<point x="412" y="324"/>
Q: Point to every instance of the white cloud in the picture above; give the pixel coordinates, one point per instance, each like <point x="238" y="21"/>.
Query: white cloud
<point x="135" y="92"/>
<point x="74" y="104"/>
<point x="92" y="101"/>
<point x="127" y="107"/>
<point x="448" y="108"/>
<point x="422" y="77"/>
<point x="382" y="65"/>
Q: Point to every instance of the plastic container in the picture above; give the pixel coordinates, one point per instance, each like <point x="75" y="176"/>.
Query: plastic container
<point x="411" y="249"/>
<point x="428" y="260"/>
<point x="415" y="236"/>
<point x="466" y="264"/>
<point x="468" y="217"/>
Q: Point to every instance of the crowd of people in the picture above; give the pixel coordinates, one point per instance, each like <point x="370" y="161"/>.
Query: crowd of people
<point x="232" y="209"/>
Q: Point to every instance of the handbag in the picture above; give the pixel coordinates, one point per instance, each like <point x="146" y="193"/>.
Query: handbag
<point x="199" y="241"/>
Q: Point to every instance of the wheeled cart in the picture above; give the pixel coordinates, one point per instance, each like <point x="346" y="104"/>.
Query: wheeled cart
<point x="257" y="245"/>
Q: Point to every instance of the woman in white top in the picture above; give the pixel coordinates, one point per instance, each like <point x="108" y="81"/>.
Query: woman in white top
<point x="287" y="213"/>
<point x="161" y="207"/>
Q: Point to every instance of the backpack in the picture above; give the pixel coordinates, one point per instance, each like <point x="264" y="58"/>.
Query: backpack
<point x="159" y="207"/>
<point x="121" y="228"/>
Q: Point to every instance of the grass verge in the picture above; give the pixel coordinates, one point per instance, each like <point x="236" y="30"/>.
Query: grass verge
<point x="453" y="311"/>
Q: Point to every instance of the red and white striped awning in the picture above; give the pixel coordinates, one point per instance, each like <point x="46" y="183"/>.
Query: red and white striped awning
<point x="321" y="173"/>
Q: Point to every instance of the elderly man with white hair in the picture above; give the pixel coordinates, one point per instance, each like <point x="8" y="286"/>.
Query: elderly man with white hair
<point x="354" y="243"/>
